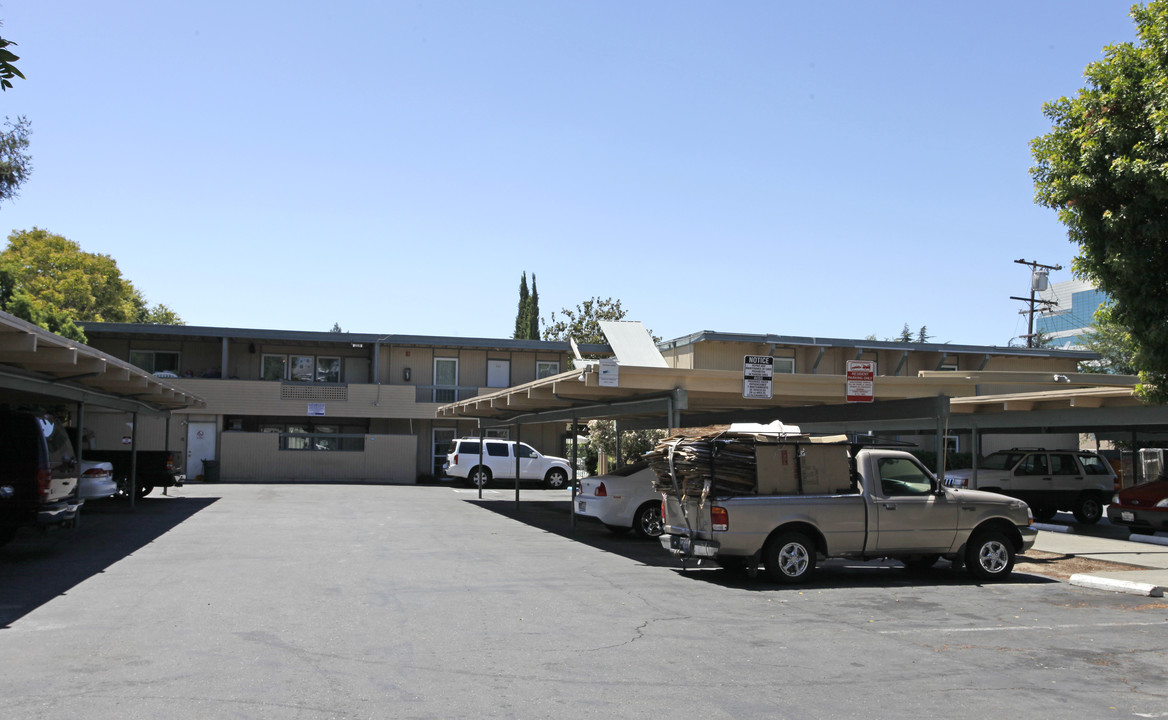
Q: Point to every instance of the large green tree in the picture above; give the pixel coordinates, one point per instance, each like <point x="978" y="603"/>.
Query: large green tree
<point x="15" y="162"/>
<point x="7" y="69"/>
<point x="50" y="281"/>
<point x="1104" y="168"/>
<point x="1114" y="344"/>
<point x="582" y="323"/>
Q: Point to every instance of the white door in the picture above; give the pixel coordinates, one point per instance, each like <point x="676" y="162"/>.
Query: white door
<point x="200" y="446"/>
<point x="498" y="373"/>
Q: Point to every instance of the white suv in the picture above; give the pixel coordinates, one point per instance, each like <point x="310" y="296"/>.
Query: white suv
<point x="1048" y="480"/>
<point x="498" y="461"/>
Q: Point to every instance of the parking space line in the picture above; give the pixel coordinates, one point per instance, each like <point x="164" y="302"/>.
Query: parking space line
<point x="1015" y="628"/>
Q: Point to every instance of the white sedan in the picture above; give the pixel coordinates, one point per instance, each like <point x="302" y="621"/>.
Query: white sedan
<point x="97" y="480"/>
<point x="623" y="499"/>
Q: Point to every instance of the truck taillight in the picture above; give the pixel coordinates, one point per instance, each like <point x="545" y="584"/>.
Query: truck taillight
<point x="170" y="462"/>
<point x="600" y="491"/>
<point x="44" y="484"/>
<point x="719" y="519"/>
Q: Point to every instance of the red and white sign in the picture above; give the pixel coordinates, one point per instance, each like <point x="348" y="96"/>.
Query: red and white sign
<point x="861" y="380"/>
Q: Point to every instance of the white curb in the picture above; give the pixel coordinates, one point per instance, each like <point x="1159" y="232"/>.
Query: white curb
<point x="1124" y="586"/>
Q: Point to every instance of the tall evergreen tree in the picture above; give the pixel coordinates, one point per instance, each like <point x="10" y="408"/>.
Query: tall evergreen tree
<point x="521" y="313"/>
<point x="533" y="312"/>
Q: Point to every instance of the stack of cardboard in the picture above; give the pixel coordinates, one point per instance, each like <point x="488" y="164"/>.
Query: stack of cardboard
<point x="748" y="464"/>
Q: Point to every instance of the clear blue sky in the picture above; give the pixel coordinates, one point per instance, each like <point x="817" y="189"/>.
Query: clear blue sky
<point x="811" y="168"/>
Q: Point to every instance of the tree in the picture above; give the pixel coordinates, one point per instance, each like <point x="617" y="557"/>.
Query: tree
<point x="583" y="323"/>
<point x="1104" y="168"/>
<point x="7" y="69"/>
<point x="633" y="443"/>
<point x="336" y="328"/>
<point x="527" y="316"/>
<point x="15" y="163"/>
<point x="48" y="280"/>
<point x="532" y="317"/>
<point x="1113" y="342"/>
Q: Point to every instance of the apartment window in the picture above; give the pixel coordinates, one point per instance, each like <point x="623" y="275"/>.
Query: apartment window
<point x="328" y="369"/>
<point x="274" y="367"/>
<point x="153" y="361"/>
<point x="546" y="368"/>
<point x="445" y="380"/>
<point x="302" y="368"/>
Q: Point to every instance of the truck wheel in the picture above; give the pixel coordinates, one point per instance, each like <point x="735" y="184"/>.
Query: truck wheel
<point x="555" y="479"/>
<point x="647" y="520"/>
<point x="479" y="477"/>
<point x="789" y="558"/>
<point x="1088" y="510"/>
<point x="989" y="556"/>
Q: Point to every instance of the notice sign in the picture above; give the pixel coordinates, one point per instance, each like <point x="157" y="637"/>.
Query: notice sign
<point x="861" y="380"/>
<point x="315" y="409"/>
<point x="758" y="372"/>
<point x="609" y="373"/>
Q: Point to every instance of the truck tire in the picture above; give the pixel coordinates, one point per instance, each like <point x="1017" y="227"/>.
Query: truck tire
<point x="989" y="555"/>
<point x="647" y="520"/>
<point x="789" y="558"/>
<point x="479" y="476"/>
<point x="555" y="479"/>
<point x="1088" y="508"/>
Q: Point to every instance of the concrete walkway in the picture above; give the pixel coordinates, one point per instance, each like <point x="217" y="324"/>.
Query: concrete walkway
<point x="1149" y="552"/>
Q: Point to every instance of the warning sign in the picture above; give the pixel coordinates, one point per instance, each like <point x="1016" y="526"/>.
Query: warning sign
<point x="861" y="380"/>
<point x="758" y="372"/>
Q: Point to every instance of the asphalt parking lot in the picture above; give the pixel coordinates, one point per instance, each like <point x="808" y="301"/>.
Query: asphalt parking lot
<point x="359" y="601"/>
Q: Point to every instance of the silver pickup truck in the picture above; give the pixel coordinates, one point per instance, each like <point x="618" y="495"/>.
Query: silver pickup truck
<point x="812" y="501"/>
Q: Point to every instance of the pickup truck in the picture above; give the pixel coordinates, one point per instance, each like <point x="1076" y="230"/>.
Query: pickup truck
<point x="809" y="500"/>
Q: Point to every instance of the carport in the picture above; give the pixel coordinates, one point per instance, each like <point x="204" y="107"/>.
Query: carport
<point x="641" y="396"/>
<point x="38" y="367"/>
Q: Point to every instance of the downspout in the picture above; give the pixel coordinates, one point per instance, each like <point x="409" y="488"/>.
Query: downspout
<point x="223" y="361"/>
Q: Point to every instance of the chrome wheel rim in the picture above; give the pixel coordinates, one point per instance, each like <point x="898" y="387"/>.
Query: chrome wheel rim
<point x="793" y="559"/>
<point x="993" y="557"/>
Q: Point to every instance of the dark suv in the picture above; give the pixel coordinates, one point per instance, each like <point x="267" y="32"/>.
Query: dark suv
<point x="38" y="473"/>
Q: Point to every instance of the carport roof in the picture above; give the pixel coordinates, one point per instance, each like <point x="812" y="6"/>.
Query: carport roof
<point x="702" y="397"/>
<point x="38" y="366"/>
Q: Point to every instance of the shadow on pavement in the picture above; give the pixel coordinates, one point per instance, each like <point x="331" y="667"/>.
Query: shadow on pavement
<point x="553" y="517"/>
<point x="39" y="566"/>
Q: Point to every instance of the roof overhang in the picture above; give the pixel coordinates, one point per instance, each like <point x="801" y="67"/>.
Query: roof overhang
<point x="37" y="366"/>
<point x="673" y="397"/>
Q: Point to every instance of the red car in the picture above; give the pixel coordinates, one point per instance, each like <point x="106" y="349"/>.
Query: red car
<point x="1143" y="507"/>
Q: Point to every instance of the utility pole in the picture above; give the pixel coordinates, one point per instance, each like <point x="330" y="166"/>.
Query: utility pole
<point x="1032" y="300"/>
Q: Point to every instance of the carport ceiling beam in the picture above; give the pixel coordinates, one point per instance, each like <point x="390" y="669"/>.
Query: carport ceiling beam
<point x="926" y="410"/>
<point x="660" y="405"/>
<point x="56" y="392"/>
<point x="18" y="342"/>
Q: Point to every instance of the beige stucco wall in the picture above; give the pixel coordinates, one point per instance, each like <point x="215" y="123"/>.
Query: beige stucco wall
<point x="256" y="456"/>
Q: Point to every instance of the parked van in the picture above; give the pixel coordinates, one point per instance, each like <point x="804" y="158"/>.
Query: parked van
<point x="38" y="473"/>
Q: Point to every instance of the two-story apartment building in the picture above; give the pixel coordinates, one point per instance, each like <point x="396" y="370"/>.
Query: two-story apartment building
<point x="286" y="405"/>
<point x="318" y="405"/>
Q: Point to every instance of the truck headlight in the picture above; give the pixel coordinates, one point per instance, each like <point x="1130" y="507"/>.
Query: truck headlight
<point x="1163" y="503"/>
